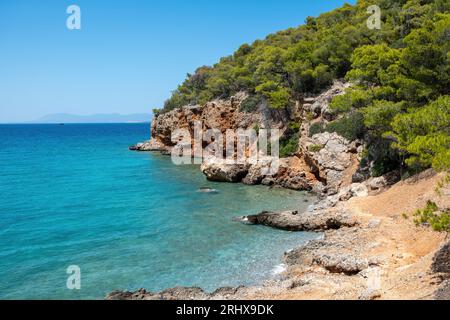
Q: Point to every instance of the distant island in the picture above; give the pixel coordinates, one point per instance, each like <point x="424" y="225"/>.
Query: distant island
<point x="94" y="118"/>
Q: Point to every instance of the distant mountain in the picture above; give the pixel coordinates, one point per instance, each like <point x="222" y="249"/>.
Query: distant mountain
<point x="95" y="118"/>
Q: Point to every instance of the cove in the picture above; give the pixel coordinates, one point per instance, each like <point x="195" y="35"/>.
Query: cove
<point x="75" y="195"/>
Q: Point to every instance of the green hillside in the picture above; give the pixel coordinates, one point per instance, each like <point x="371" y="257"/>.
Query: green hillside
<point x="400" y="98"/>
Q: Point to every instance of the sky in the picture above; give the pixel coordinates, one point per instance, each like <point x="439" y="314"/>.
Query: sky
<point x="129" y="54"/>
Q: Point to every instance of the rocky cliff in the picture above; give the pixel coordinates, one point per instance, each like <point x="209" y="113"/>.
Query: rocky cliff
<point x="323" y="162"/>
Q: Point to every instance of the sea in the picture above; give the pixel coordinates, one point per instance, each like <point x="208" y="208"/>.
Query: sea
<point x="73" y="197"/>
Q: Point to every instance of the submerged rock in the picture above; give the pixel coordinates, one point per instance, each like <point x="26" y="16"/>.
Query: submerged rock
<point x="208" y="190"/>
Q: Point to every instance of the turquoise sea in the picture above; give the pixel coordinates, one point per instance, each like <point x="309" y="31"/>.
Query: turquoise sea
<point x="75" y="195"/>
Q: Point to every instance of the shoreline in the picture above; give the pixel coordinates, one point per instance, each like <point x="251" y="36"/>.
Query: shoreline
<point x="349" y="260"/>
<point x="367" y="240"/>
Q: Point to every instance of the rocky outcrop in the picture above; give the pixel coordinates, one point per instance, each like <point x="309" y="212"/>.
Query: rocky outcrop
<point x="217" y="170"/>
<point x="218" y="114"/>
<point x="441" y="266"/>
<point x="329" y="256"/>
<point x="293" y="173"/>
<point x="320" y="165"/>
<point x="177" y="293"/>
<point x="384" y="181"/>
<point x="346" y="264"/>
<point x="152" y="145"/>
<point x="331" y="155"/>
<point x="295" y="221"/>
<point x="319" y="106"/>
<point x="254" y="175"/>
<point x="441" y="260"/>
<point x="443" y="292"/>
<point x="369" y="258"/>
<point x="353" y="190"/>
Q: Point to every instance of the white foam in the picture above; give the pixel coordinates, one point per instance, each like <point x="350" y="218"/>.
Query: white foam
<point x="279" y="269"/>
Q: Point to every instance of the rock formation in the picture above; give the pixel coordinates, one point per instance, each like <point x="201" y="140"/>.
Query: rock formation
<point x="441" y="261"/>
<point x="295" y="221"/>
<point x="322" y="170"/>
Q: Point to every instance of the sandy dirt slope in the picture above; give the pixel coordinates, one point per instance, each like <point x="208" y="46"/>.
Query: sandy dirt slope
<point x="401" y="251"/>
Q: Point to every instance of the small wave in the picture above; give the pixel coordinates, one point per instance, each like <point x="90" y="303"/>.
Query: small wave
<point x="278" y="269"/>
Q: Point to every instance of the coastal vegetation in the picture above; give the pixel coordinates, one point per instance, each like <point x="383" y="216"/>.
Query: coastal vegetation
<point x="439" y="220"/>
<point x="399" y="102"/>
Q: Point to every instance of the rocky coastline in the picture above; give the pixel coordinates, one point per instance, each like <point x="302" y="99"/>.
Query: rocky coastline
<point x="361" y="255"/>
<point x="367" y="251"/>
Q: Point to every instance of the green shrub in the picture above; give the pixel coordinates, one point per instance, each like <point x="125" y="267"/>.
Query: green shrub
<point x="350" y="127"/>
<point x="156" y="112"/>
<point x="424" y="133"/>
<point x="442" y="183"/>
<point x="438" y="220"/>
<point x="250" y="104"/>
<point x="382" y="166"/>
<point x="289" y="146"/>
<point x="289" y="142"/>
<point x="315" y="147"/>
<point x="316" y="128"/>
<point x="352" y="99"/>
<point x="294" y="126"/>
<point x="309" y="116"/>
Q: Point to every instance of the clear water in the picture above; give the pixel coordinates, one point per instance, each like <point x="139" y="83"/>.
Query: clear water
<point x="75" y="195"/>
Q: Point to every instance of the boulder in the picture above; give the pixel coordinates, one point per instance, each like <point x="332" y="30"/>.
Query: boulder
<point x="292" y="174"/>
<point x="304" y="255"/>
<point x="346" y="264"/>
<point x="331" y="161"/>
<point x="254" y="175"/>
<point x="370" y="294"/>
<point x="183" y="293"/>
<point x="374" y="223"/>
<point x="140" y="294"/>
<point x="354" y="190"/>
<point x="152" y="145"/>
<point x="384" y="181"/>
<point x="294" y="182"/>
<point x="361" y="175"/>
<point x="441" y="260"/>
<point x="377" y="183"/>
<point x="218" y="170"/>
<point x="443" y="292"/>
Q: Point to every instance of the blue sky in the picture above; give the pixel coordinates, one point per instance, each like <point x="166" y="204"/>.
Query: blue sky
<point x="129" y="54"/>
